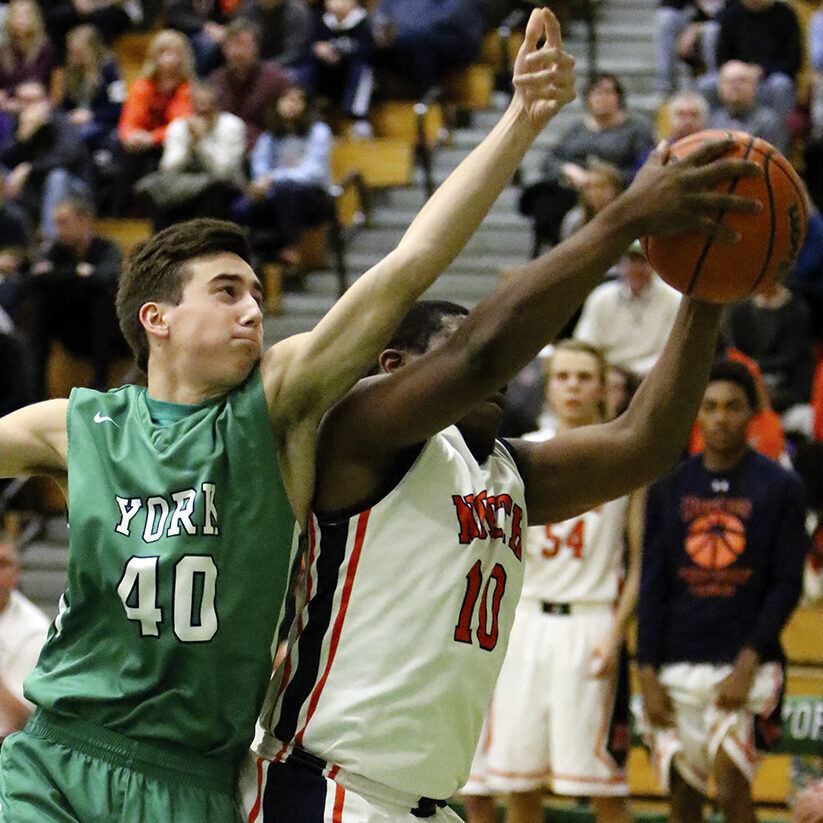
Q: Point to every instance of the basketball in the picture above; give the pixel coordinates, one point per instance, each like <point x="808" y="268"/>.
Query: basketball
<point x="700" y="266"/>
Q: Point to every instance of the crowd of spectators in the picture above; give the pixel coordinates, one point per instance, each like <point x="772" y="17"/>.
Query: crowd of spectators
<point x="232" y="114"/>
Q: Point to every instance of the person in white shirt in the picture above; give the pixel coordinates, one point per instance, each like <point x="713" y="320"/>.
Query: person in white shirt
<point x="23" y="629"/>
<point x="629" y="319"/>
<point x="202" y="166"/>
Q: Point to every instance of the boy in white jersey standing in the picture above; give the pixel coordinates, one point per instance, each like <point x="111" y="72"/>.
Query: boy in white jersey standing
<point x="183" y="497"/>
<point x="561" y="717"/>
<point x="414" y="562"/>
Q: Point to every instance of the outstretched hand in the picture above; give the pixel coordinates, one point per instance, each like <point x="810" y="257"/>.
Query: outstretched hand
<point x="543" y="74"/>
<point x="678" y="195"/>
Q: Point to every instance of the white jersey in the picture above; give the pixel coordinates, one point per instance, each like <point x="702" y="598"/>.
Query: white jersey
<point x="579" y="560"/>
<point x="403" y="618"/>
<point x="23" y="630"/>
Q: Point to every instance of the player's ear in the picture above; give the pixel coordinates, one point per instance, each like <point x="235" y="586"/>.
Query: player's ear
<point x="390" y="360"/>
<point x="153" y="319"/>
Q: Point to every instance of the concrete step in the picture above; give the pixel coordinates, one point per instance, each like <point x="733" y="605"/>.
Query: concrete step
<point x="496" y="240"/>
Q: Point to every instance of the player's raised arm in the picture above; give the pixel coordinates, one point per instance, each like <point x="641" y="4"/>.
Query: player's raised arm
<point x="383" y="415"/>
<point x="346" y="342"/>
<point x="33" y="440"/>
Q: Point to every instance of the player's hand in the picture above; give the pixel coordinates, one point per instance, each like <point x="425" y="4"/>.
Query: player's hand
<point x="657" y="704"/>
<point x="808" y="807"/>
<point x="543" y="74"/>
<point x="733" y="690"/>
<point x="602" y="660"/>
<point x="676" y="196"/>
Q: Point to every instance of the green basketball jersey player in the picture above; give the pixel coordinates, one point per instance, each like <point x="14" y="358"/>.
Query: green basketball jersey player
<point x="183" y="497"/>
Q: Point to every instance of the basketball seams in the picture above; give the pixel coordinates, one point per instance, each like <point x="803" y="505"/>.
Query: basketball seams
<point x="707" y="246"/>
<point x="772" y="222"/>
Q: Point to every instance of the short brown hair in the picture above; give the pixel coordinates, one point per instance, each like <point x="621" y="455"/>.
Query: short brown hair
<point x="574" y="345"/>
<point x="157" y="271"/>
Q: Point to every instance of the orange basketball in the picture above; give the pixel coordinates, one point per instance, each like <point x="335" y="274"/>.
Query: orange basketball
<point x="715" y="540"/>
<point x="700" y="266"/>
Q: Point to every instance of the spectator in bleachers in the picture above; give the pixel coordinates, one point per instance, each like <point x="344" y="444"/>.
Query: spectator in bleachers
<point x="290" y="176"/>
<point x="246" y="85"/>
<point x="47" y="160"/>
<point x="92" y="89"/>
<point x="602" y="185"/>
<point x="738" y="108"/>
<point x="813" y="151"/>
<point x="12" y="273"/>
<point x="806" y="276"/>
<point x="201" y="170"/>
<point x="688" y="112"/>
<point x="773" y="328"/>
<point x="765" y="33"/>
<point x="630" y="318"/>
<point x="204" y="23"/>
<point x="15" y="225"/>
<point x="342" y="72"/>
<point x="685" y="32"/>
<point x="621" y="384"/>
<point x="723" y="556"/>
<point x="158" y="96"/>
<point x="110" y="18"/>
<point x="70" y="294"/>
<point x="421" y="41"/>
<point x="26" y="52"/>
<point x="92" y="97"/>
<point x="606" y="131"/>
<point x="23" y="629"/>
<point x="285" y="28"/>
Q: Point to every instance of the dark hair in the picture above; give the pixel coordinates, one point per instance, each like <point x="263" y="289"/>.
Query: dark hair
<point x="157" y="270"/>
<point x="733" y="371"/>
<point x="279" y="126"/>
<point x="241" y="24"/>
<point x="422" y="322"/>
<point x="612" y="78"/>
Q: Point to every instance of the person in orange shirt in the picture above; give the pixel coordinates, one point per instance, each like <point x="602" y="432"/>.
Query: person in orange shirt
<point x="158" y="96"/>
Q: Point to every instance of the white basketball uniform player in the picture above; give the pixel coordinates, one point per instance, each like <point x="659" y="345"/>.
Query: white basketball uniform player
<point x="403" y="617"/>
<point x="551" y="723"/>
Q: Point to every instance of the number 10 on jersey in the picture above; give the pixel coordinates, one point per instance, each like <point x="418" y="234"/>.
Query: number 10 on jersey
<point x="487" y="620"/>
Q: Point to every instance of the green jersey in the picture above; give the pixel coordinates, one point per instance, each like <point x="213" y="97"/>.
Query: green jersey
<point x="180" y="552"/>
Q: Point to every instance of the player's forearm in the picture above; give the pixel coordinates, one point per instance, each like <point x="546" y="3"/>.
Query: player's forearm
<point x="626" y="605"/>
<point x="456" y="209"/>
<point x="662" y="413"/>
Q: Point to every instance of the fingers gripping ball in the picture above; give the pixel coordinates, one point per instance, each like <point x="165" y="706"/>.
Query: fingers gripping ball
<point x="705" y="268"/>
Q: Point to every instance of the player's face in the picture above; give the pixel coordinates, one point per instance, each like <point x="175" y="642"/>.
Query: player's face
<point x="216" y="331"/>
<point x="724" y="418"/>
<point x="575" y="388"/>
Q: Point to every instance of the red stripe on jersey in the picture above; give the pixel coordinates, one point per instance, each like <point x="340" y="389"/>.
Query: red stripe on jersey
<point x="360" y="536"/>
<point x="255" y="809"/>
<point x="284" y="681"/>
<point x="333" y="771"/>
<point x="339" y="794"/>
